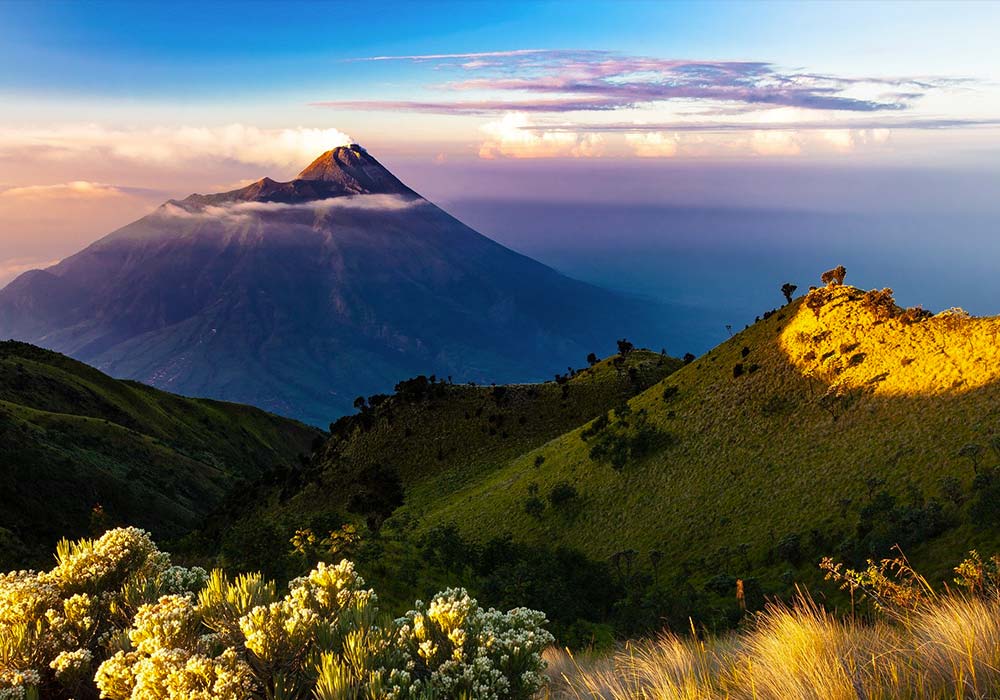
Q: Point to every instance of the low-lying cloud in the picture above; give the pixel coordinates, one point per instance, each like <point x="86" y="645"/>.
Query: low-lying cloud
<point x="248" y="210"/>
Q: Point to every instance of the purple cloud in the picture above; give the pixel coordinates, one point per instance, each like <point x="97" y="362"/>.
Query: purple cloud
<point x="558" y="81"/>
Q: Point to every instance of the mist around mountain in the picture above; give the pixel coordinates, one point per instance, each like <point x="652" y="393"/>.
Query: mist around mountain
<point x="299" y="296"/>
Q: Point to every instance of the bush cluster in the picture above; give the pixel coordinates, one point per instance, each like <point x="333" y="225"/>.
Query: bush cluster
<point x="115" y="619"/>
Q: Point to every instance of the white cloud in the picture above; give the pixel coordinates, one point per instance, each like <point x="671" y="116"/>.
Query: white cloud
<point x="78" y="189"/>
<point x="775" y="143"/>
<point x="514" y="136"/>
<point x="655" y="144"/>
<point x="169" y="145"/>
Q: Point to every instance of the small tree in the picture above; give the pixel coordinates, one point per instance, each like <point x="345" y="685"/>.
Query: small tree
<point x="625" y="347"/>
<point x="973" y="452"/>
<point x="592" y="359"/>
<point x="788" y="289"/>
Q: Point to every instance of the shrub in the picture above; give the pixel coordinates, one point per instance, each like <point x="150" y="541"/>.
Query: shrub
<point x="816" y="300"/>
<point x="880" y="303"/>
<point x="789" y="548"/>
<point x="56" y="625"/>
<point x="534" y="507"/>
<point x="834" y="277"/>
<point x="624" y="440"/>
<point x="562" y="493"/>
<point x="114" y="618"/>
<point x="452" y="648"/>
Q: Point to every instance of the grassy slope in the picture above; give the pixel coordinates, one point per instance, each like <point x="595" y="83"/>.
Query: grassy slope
<point x="71" y="437"/>
<point x="438" y="445"/>
<point x="832" y="400"/>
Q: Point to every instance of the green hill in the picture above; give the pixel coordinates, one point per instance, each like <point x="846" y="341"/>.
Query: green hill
<point x="72" y="438"/>
<point x="840" y="425"/>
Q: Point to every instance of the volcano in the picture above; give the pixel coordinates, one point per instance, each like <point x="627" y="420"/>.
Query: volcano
<point x="299" y="296"/>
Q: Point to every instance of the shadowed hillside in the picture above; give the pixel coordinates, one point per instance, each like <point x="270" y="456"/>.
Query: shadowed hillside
<point x="72" y="438"/>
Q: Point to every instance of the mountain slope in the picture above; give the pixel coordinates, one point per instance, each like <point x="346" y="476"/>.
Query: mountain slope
<point x="72" y="438"/>
<point x="299" y="296"/>
<point x="840" y="424"/>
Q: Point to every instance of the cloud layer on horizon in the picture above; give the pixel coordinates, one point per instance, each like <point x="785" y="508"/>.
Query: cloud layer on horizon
<point x="171" y="145"/>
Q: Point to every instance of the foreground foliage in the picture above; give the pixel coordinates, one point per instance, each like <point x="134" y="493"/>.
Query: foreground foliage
<point x="114" y="618"/>
<point x="918" y="644"/>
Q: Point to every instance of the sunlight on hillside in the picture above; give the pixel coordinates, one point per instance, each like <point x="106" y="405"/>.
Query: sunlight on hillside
<point x="860" y="342"/>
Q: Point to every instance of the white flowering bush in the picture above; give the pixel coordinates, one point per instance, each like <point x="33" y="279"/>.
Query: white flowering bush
<point x="114" y="619"/>
<point x="55" y="624"/>
<point x="455" y="648"/>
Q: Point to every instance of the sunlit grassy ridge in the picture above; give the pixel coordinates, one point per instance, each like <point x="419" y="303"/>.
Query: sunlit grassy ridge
<point x="72" y="438"/>
<point x="758" y="440"/>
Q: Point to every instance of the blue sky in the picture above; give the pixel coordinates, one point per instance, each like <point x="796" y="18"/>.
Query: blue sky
<point x="251" y="52"/>
<point x="109" y="108"/>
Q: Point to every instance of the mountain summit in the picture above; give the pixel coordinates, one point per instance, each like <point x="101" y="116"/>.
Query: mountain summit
<point x="353" y="169"/>
<point x="343" y="171"/>
<point x="299" y="296"/>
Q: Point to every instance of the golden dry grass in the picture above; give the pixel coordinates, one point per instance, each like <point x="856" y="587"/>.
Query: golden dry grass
<point x="949" y="649"/>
